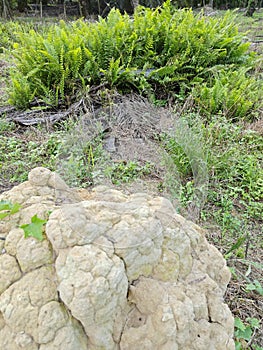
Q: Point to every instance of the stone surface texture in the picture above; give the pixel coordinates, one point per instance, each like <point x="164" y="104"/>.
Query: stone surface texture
<point x="114" y="271"/>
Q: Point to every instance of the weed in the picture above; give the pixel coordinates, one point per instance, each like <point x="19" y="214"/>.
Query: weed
<point x="255" y="286"/>
<point x="35" y="228"/>
<point x="127" y="171"/>
<point x="78" y="159"/>
<point x="244" y="332"/>
<point x="6" y="126"/>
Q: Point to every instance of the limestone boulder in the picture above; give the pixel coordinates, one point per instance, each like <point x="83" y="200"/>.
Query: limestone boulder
<point x="114" y="271"/>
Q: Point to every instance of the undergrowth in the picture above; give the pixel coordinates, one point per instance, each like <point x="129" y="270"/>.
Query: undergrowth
<point x="20" y="154"/>
<point x="233" y="157"/>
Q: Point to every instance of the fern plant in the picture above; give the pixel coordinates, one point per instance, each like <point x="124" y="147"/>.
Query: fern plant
<point x="163" y="51"/>
<point x="231" y="92"/>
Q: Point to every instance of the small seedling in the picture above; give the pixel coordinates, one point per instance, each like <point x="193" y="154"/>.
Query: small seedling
<point x="35" y="228"/>
<point x="255" y="286"/>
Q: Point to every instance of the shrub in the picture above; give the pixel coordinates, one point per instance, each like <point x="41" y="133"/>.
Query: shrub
<point x="163" y="50"/>
<point x="232" y="93"/>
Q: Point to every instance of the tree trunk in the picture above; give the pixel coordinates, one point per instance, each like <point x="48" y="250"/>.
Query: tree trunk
<point x="84" y="8"/>
<point x="21" y="5"/>
<point x="5" y="10"/>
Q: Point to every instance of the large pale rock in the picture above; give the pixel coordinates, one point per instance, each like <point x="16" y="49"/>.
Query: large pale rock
<point x="8" y="264"/>
<point x="113" y="272"/>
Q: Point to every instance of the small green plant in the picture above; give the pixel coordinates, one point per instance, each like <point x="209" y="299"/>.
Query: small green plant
<point x="255" y="286"/>
<point x="35" y="228"/>
<point x="236" y="248"/>
<point x="178" y="155"/>
<point x="78" y="158"/>
<point x="7" y="208"/>
<point x="127" y="171"/>
<point x="244" y="332"/>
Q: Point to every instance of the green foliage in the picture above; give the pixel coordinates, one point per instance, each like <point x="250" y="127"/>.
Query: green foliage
<point x="244" y="332"/>
<point x="78" y="167"/>
<point x="22" y="90"/>
<point x="19" y="154"/>
<point x="178" y="155"/>
<point x="9" y="31"/>
<point x="7" y="208"/>
<point x="255" y="286"/>
<point x="35" y="228"/>
<point x="234" y="163"/>
<point x="163" y="51"/>
<point x="8" y="34"/>
<point x="235" y="247"/>
<point x="232" y="93"/>
<point x="232" y="158"/>
<point x="187" y="160"/>
<point x="125" y="172"/>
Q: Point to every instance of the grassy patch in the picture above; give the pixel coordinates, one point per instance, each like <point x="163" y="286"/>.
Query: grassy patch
<point x="127" y="171"/>
<point x="20" y="152"/>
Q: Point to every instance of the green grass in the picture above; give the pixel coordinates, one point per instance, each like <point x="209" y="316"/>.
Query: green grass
<point x="21" y="152"/>
<point x="233" y="157"/>
<point x="127" y="171"/>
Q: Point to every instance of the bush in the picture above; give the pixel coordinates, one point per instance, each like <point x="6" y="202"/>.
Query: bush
<point x="157" y="51"/>
<point x="232" y="93"/>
